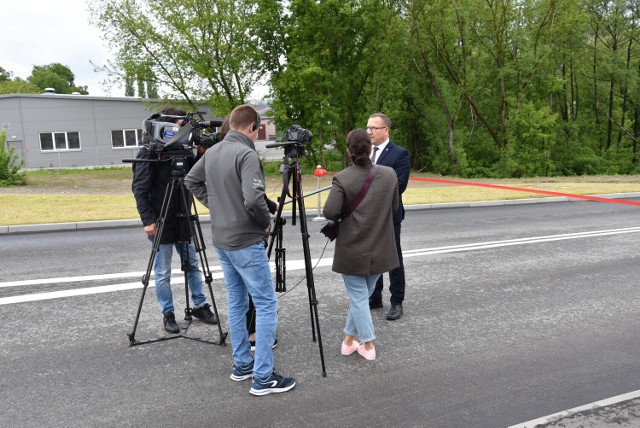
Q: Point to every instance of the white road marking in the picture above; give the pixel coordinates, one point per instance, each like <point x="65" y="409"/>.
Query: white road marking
<point x="566" y="413"/>
<point x="292" y="265"/>
<point x="99" y="277"/>
<point x="520" y="241"/>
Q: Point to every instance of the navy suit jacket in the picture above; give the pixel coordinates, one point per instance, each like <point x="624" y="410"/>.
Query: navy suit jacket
<point x="397" y="158"/>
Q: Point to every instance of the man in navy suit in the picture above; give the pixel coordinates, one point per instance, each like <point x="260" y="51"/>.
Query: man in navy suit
<point x="384" y="152"/>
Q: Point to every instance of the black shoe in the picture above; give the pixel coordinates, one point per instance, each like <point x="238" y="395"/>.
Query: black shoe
<point x="170" y="323"/>
<point x="204" y="314"/>
<point x="375" y="304"/>
<point x="395" y="312"/>
<point x="253" y="344"/>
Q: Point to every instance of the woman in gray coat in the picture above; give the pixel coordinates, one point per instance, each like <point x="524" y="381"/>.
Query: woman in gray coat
<point x="365" y="246"/>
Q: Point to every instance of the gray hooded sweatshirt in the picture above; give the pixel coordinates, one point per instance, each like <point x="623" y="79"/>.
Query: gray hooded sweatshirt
<point x="229" y="180"/>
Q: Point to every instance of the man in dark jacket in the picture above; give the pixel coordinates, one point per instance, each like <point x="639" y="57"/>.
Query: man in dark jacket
<point x="384" y="152"/>
<point x="150" y="181"/>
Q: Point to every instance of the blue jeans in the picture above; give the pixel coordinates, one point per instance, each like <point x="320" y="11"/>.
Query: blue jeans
<point x="359" y="323"/>
<point x="247" y="271"/>
<point x="162" y="272"/>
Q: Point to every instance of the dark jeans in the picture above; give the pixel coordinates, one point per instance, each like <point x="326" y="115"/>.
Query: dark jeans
<point x="396" y="277"/>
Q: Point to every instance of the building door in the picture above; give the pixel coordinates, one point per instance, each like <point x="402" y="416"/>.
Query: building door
<point x="262" y="132"/>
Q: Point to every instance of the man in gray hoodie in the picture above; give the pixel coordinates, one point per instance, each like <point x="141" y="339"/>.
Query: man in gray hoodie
<point x="229" y="180"/>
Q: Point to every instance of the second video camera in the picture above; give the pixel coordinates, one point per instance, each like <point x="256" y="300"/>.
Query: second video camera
<point x="297" y="137"/>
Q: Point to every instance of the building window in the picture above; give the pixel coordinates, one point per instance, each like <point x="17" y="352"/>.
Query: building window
<point x="59" y="141"/>
<point x="121" y="138"/>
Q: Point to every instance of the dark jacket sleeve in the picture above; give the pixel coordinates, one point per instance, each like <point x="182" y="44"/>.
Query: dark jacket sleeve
<point x="141" y="187"/>
<point x="196" y="181"/>
<point x="402" y="168"/>
<point x="333" y="206"/>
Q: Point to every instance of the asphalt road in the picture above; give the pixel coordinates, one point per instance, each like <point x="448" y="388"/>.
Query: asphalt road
<point x="512" y="313"/>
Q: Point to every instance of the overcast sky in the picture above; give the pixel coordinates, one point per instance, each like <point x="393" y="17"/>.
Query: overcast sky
<point x="36" y="32"/>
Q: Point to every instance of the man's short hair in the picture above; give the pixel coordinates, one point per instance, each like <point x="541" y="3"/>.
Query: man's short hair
<point x="385" y="119"/>
<point x="242" y="117"/>
<point x="172" y="111"/>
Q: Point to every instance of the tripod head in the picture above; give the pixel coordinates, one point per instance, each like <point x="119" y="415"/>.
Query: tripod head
<point x="292" y="150"/>
<point x="180" y="164"/>
<point x="179" y="157"/>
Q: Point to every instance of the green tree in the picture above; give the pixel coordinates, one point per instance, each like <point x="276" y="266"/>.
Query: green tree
<point x="56" y="76"/>
<point x="473" y="87"/>
<point x="5" y="75"/>
<point x="18" y="86"/>
<point x="192" y="49"/>
<point x="10" y="174"/>
<point x="335" y="52"/>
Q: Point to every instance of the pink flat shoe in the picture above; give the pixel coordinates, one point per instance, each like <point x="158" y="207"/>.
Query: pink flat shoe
<point x="369" y="355"/>
<point x="348" y="350"/>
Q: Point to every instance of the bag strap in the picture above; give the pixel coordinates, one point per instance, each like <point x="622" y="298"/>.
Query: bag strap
<point x="360" y="196"/>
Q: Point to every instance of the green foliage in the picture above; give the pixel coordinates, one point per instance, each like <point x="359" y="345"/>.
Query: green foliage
<point x="336" y="52"/>
<point x="10" y="174"/>
<point x="197" y="50"/>
<point x="473" y="88"/>
<point x="532" y="136"/>
<point x="18" y="87"/>
<point x="56" y="76"/>
<point x="5" y="75"/>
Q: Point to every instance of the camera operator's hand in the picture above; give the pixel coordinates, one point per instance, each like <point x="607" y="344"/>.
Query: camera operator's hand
<point x="150" y="230"/>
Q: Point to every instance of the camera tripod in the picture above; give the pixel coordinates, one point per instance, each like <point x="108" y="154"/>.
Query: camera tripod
<point x="188" y="228"/>
<point x="292" y="173"/>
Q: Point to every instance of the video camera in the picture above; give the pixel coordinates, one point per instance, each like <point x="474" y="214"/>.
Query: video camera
<point x="297" y="137"/>
<point x="169" y="132"/>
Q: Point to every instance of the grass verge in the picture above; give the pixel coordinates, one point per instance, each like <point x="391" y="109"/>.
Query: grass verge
<point x="60" y="196"/>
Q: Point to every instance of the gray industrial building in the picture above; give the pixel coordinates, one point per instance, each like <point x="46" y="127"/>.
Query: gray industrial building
<point x="55" y="130"/>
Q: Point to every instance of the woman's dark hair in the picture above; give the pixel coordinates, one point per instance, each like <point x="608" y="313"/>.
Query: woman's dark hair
<point x="224" y="129"/>
<point x="359" y="147"/>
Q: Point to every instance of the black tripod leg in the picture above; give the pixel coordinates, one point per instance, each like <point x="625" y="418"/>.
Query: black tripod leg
<point x="195" y="233"/>
<point x="185" y="267"/>
<point x="311" y="288"/>
<point x="208" y="278"/>
<point x="277" y="224"/>
<point x="145" y="283"/>
<point x="155" y="246"/>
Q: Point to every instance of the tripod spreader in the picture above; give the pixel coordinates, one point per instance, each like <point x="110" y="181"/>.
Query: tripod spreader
<point x="188" y="229"/>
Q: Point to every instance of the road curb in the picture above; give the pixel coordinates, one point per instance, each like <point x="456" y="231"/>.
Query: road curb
<point x="107" y="224"/>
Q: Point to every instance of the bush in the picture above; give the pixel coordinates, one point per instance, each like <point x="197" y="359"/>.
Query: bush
<point x="10" y="174"/>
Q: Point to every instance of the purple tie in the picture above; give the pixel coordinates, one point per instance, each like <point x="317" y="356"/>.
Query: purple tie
<point x="375" y="151"/>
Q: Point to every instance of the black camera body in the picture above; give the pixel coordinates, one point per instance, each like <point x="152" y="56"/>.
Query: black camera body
<point x="165" y="133"/>
<point x="296" y="134"/>
<point x="297" y="137"/>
